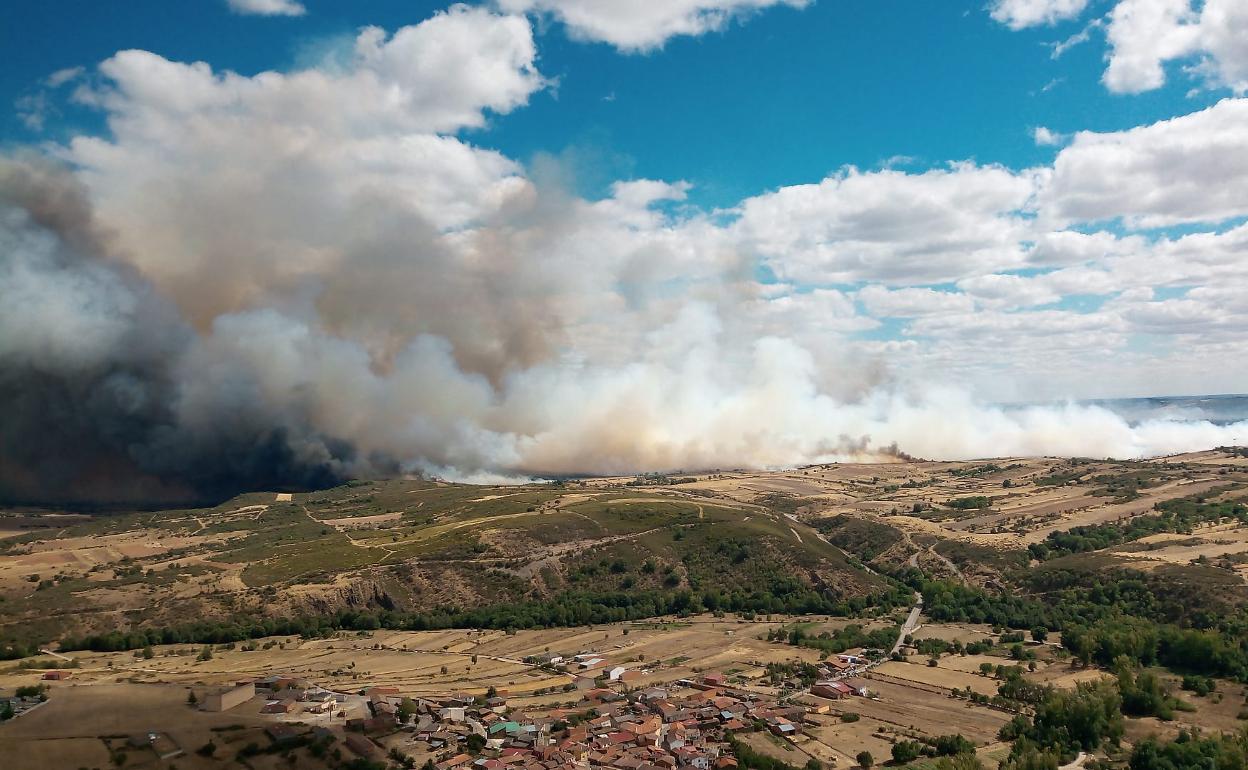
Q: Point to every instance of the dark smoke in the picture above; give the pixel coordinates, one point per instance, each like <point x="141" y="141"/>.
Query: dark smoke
<point x="860" y="449"/>
<point x="895" y="451"/>
<point x="91" y="366"/>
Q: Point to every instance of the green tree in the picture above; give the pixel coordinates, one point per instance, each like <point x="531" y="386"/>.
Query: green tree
<point x="864" y="758"/>
<point x="905" y="751"/>
<point x="1192" y="752"/>
<point x="1143" y="694"/>
<point x="1028" y="757"/>
<point x="949" y="745"/>
<point x="959" y="762"/>
<point x="1067" y="722"/>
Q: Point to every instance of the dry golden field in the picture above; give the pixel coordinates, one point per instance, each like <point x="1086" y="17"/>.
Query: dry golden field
<point x="121" y="694"/>
<point x="414" y="544"/>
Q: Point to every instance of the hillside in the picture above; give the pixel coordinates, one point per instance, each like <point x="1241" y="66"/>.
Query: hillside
<point x="422" y="548"/>
<point x="406" y="553"/>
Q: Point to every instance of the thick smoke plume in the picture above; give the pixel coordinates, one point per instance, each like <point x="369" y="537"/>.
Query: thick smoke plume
<point x="289" y="279"/>
<point x="110" y="394"/>
<point x="94" y="370"/>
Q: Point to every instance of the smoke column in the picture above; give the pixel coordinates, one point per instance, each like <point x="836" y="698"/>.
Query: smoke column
<point x="290" y="279"/>
<point x="112" y="395"/>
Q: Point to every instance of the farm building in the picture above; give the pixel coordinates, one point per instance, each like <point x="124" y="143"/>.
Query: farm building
<point x="834" y="690"/>
<point x="281" y="734"/>
<point x="361" y="745"/>
<point x="279" y="683"/>
<point x="284" y="706"/>
<point x="228" y="699"/>
<point x="858" y="686"/>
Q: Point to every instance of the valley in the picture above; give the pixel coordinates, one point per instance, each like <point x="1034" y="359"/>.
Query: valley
<point x="995" y="585"/>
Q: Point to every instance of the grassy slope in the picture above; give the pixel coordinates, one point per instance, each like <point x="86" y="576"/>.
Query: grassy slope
<point x="448" y="545"/>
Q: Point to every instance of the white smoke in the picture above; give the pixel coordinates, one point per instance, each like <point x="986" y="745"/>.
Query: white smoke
<point x="289" y="279"/>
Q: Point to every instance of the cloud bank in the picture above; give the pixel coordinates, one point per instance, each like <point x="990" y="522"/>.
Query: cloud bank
<point x="292" y="278"/>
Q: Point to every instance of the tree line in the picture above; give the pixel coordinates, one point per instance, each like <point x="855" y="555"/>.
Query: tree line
<point x="564" y="610"/>
<point x="1110" y="615"/>
<point x="1178" y="516"/>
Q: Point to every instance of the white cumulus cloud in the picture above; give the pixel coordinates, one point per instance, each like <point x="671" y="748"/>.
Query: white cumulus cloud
<point x="1046" y="137"/>
<point x="1193" y="168"/>
<point x="1018" y="14"/>
<point x="1208" y="37"/>
<point x="642" y="25"/>
<point x="268" y="7"/>
<point x="912" y="302"/>
<point x="892" y="227"/>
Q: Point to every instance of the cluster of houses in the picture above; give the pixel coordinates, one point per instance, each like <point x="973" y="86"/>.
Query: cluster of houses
<point x="282" y="695"/>
<point x="288" y="695"/>
<point x="686" y="726"/>
<point x="587" y="664"/>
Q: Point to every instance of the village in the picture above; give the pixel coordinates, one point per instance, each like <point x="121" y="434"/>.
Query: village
<point x="689" y="723"/>
<point x="701" y="692"/>
<point x="709" y="689"/>
<point x="596" y="709"/>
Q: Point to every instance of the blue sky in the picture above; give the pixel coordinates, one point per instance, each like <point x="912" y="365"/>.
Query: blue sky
<point x="779" y="97"/>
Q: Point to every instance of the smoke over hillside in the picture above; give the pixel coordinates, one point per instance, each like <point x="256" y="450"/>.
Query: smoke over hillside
<point x="98" y="373"/>
<point x="295" y="278"/>
<point x="111" y="394"/>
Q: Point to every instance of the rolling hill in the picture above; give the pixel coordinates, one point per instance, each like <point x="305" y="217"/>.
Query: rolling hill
<point x="425" y="552"/>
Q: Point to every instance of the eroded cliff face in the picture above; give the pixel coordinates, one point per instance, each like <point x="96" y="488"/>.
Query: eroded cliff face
<point x="407" y="587"/>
